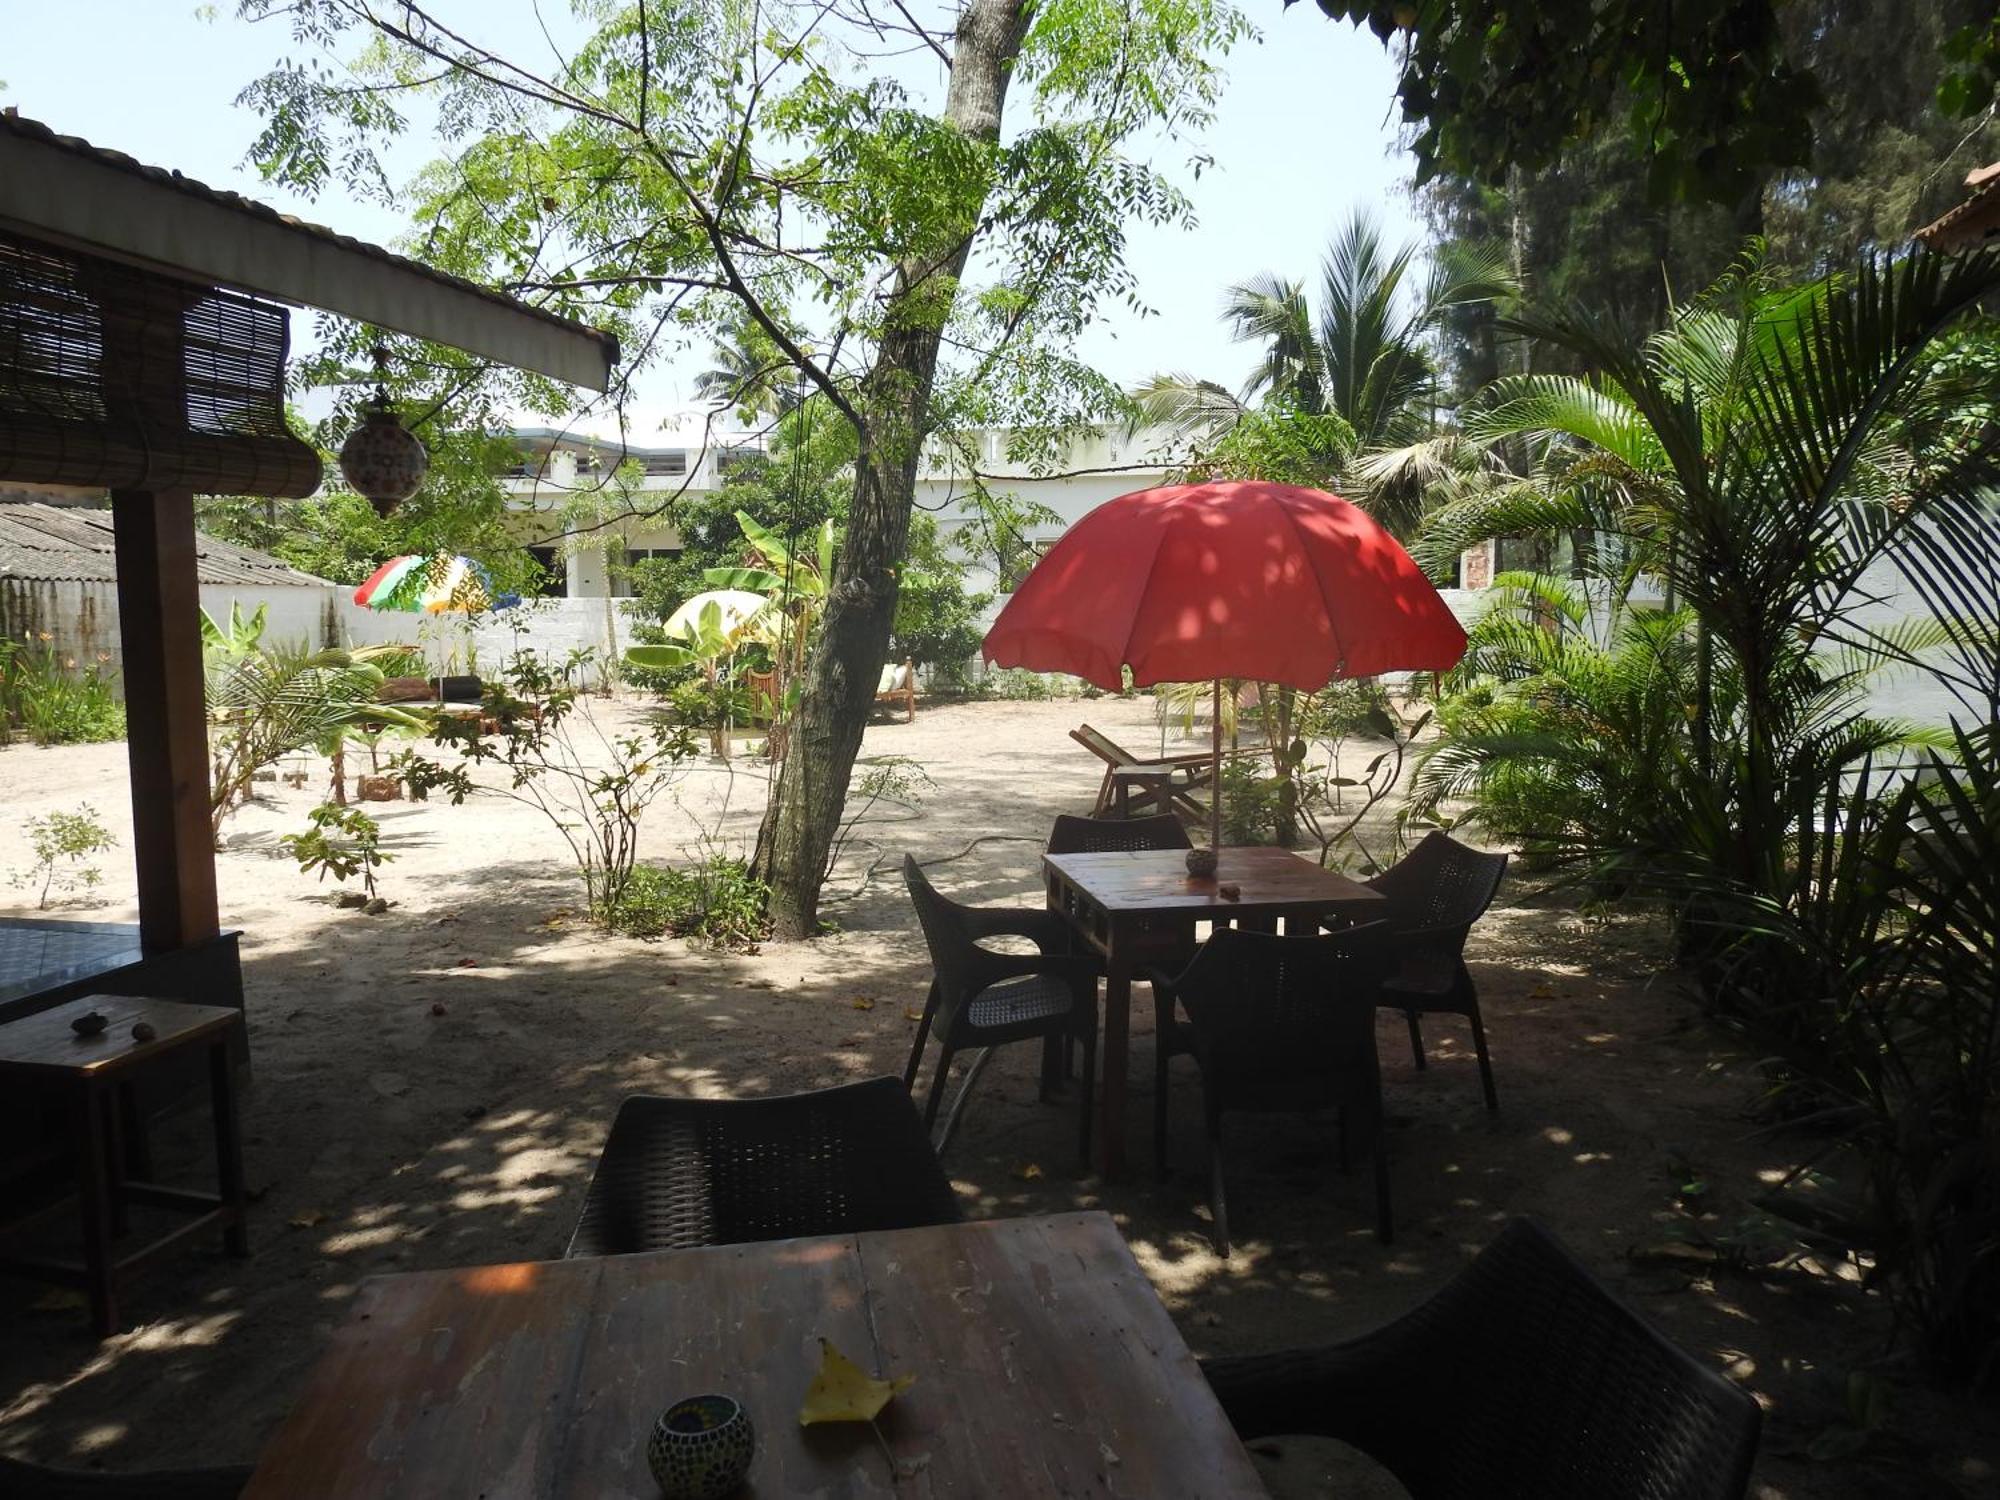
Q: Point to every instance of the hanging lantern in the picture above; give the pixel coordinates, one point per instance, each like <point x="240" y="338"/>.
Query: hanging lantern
<point x="382" y="459"/>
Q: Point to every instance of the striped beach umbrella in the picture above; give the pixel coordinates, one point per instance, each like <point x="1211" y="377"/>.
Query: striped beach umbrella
<point x="431" y="585"/>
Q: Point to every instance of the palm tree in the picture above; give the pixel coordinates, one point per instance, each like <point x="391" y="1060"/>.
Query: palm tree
<point x="1367" y="360"/>
<point x="1757" y="457"/>
<point x="748" y="372"/>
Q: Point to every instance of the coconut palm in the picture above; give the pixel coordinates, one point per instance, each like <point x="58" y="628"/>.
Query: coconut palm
<point x="748" y="372"/>
<point x="1366" y="359"/>
<point x="1754" y="458"/>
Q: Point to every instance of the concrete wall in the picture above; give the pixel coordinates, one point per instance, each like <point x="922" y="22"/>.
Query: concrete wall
<point x="81" y="620"/>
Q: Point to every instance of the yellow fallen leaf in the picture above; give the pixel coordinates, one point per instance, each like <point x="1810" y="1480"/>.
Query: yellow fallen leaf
<point x="862" y="1002"/>
<point x="1543" y="991"/>
<point x="1028" y="1171"/>
<point x="307" y="1219"/>
<point x="843" y="1392"/>
<point x="912" y="1015"/>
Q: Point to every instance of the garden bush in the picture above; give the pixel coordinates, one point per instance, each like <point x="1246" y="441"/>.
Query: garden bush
<point x="54" y="702"/>
<point x="716" y="903"/>
<point x="61" y="842"/>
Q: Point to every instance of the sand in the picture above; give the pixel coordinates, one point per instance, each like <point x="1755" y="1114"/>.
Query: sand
<point x="431" y="1086"/>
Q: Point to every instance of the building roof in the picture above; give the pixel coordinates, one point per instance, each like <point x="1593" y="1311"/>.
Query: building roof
<point x="73" y="543"/>
<point x="1971" y="222"/>
<point x="62" y="188"/>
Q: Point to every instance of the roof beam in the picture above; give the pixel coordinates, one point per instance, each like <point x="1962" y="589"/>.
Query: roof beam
<point x="61" y="188"/>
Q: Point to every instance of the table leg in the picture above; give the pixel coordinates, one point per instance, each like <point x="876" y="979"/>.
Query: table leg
<point x="228" y="1148"/>
<point x="117" y="1164"/>
<point x="1117" y="1051"/>
<point x="138" y="1148"/>
<point x="94" y="1190"/>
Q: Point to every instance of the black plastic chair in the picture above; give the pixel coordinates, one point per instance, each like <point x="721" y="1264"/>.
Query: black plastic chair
<point x="26" y="1481"/>
<point x="1277" y="1024"/>
<point x="982" y="998"/>
<point x="1074" y="835"/>
<point x="1523" y="1377"/>
<point x="1434" y="896"/>
<point x="680" y="1173"/>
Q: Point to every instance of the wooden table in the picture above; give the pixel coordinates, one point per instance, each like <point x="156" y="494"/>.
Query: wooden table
<point x="1142" y="906"/>
<point x="97" y="1074"/>
<point x="1045" y="1365"/>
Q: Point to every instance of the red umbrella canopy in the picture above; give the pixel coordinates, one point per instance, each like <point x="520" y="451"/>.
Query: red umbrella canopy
<point x="1271" y="582"/>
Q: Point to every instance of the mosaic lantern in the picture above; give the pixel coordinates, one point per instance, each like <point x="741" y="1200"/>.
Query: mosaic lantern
<point x="382" y="459"/>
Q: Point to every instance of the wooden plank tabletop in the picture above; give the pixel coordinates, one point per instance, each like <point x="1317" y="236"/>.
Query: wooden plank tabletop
<point x="1044" y="1363"/>
<point x="43" y="1043"/>
<point x="1272" y="881"/>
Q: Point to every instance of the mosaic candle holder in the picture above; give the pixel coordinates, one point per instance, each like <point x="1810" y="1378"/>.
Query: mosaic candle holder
<point x="701" y="1448"/>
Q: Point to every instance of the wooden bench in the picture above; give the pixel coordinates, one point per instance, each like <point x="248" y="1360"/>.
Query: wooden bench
<point x="898" y="684"/>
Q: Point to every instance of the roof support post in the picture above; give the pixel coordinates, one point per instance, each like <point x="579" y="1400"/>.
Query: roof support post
<point x="166" y="715"/>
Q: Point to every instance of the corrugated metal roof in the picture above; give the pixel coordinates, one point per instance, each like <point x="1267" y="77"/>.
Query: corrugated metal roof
<point x="74" y="544"/>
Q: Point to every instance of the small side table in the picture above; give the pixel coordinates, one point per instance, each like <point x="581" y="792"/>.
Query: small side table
<point x="1138" y="788"/>
<point x="97" y="1074"/>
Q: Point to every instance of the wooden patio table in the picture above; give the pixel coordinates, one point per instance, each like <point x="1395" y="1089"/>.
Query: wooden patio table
<point x="1044" y="1365"/>
<point x="1142" y="906"/>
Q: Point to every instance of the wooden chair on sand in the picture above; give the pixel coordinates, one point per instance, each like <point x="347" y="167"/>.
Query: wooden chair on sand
<point x="1116" y="757"/>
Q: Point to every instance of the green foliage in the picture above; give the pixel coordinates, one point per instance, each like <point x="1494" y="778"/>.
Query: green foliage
<point x="937" y="621"/>
<point x="691" y="164"/>
<point x="1564" y="747"/>
<point x="51" y="700"/>
<point x="1972" y="81"/>
<point x="1753" y="462"/>
<point x="592" y="783"/>
<point x="61" y="841"/>
<point x="1586" y="230"/>
<point x="996" y="530"/>
<point x="1707" y="90"/>
<point x="716" y="903"/>
<point x="268" y="701"/>
<point x="339" y="841"/>
<point x="1362" y="377"/>
<point x="1021" y="685"/>
<point x="335" y="534"/>
<point x="1251" y="796"/>
<point x="1873" y="975"/>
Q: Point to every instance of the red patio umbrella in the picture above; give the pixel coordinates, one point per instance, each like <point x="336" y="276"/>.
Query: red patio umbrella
<point x="1188" y="583"/>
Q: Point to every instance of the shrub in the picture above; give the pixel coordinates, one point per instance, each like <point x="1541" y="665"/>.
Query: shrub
<point x="53" y="701"/>
<point x="1019" y="684"/>
<point x="592" y="784"/>
<point x="61" y="842"/>
<point x="717" y="902"/>
<point x="339" y="841"/>
<point x="1250" y="801"/>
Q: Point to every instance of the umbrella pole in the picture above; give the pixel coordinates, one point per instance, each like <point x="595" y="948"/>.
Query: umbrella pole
<point x="1215" y="770"/>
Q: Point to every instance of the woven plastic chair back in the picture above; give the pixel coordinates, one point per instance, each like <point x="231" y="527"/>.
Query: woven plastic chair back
<point x="1522" y="1378"/>
<point x="1442" y="888"/>
<point x="954" y="951"/>
<point x="1286" y="1023"/>
<point x="1074" y="835"/>
<point x="678" y="1173"/>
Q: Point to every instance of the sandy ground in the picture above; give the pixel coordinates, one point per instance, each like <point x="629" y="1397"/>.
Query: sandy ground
<point x="431" y="1087"/>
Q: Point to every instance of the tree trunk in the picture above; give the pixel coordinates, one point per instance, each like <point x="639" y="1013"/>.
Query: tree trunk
<point x="839" y="690"/>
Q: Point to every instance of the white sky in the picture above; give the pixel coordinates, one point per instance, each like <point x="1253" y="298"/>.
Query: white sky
<point x="1302" y="136"/>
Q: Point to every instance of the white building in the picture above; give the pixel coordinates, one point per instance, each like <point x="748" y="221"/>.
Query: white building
<point x="587" y="476"/>
<point x="591" y="501"/>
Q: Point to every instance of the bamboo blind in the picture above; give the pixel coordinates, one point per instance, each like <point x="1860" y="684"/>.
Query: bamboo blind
<point x="117" y="377"/>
